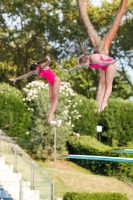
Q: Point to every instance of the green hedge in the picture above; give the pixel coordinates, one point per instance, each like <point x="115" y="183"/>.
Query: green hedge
<point x="87" y="110"/>
<point x="94" y="196"/>
<point x="14" y="117"/>
<point x="116" y="119"/>
<point x="85" y="145"/>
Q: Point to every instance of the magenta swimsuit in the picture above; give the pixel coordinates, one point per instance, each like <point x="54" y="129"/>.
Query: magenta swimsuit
<point x="48" y="74"/>
<point x="96" y="65"/>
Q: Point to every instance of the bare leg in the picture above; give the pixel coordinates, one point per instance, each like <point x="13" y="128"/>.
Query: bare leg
<point x="109" y="76"/>
<point x="103" y="88"/>
<point x="50" y="96"/>
<point x="55" y="94"/>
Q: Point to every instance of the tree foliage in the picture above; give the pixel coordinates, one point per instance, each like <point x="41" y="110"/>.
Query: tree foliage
<point x="30" y="30"/>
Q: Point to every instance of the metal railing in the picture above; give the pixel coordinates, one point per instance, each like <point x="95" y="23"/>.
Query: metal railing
<point x="22" y="163"/>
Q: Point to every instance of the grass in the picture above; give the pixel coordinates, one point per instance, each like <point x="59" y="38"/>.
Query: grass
<point x="68" y="177"/>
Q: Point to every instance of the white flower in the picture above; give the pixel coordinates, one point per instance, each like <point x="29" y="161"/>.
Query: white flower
<point x="25" y="89"/>
<point x="68" y="123"/>
<point x="75" y="111"/>
<point x="65" y="112"/>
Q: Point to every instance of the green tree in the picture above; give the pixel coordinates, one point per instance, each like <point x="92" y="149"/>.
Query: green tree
<point x="101" y="44"/>
<point x="55" y="27"/>
<point x="123" y="45"/>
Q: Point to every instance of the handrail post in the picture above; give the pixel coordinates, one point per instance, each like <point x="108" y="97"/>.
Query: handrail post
<point x="32" y="175"/>
<point x="52" y="189"/>
<point x="21" y="190"/>
<point x="54" y="147"/>
<point x="0" y="142"/>
<point x="55" y="124"/>
<point x="15" y="158"/>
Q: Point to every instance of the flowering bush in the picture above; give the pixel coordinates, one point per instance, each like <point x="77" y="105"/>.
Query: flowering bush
<point x="32" y="89"/>
<point x="67" y="95"/>
<point x="31" y="93"/>
<point x="70" y="106"/>
<point x="81" y="112"/>
<point x="35" y="97"/>
<point x="73" y="109"/>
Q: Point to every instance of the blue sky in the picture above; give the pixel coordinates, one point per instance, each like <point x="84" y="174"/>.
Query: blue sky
<point x="96" y="2"/>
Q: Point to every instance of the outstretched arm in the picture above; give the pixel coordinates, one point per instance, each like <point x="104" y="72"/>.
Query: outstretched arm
<point x="104" y="63"/>
<point x="21" y="77"/>
<point x="47" y="63"/>
<point x="99" y="60"/>
<point x="75" y="68"/>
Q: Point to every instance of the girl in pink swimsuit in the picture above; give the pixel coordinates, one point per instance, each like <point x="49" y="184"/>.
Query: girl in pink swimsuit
<point x="107" y="67"/>
<point x="45" y="71"/>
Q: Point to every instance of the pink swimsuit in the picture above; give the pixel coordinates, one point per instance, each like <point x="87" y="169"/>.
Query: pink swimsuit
<point x="96" y="65"/>
<point x="48" y="74"/>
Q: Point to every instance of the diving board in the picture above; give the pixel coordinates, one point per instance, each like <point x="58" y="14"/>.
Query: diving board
<point x="102" y="158"/>
<point x="123" y="151"/>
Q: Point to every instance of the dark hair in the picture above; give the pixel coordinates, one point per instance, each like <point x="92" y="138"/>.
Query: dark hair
<point x="41" y="61"/>
<point x="33" y="66"/>
<point x="83" y="58"/>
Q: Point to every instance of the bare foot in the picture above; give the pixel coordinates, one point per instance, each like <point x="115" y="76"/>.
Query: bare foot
<point x="104" y="104"/>
<point x="99" y="109"/>
<point x="50" y="119"/>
